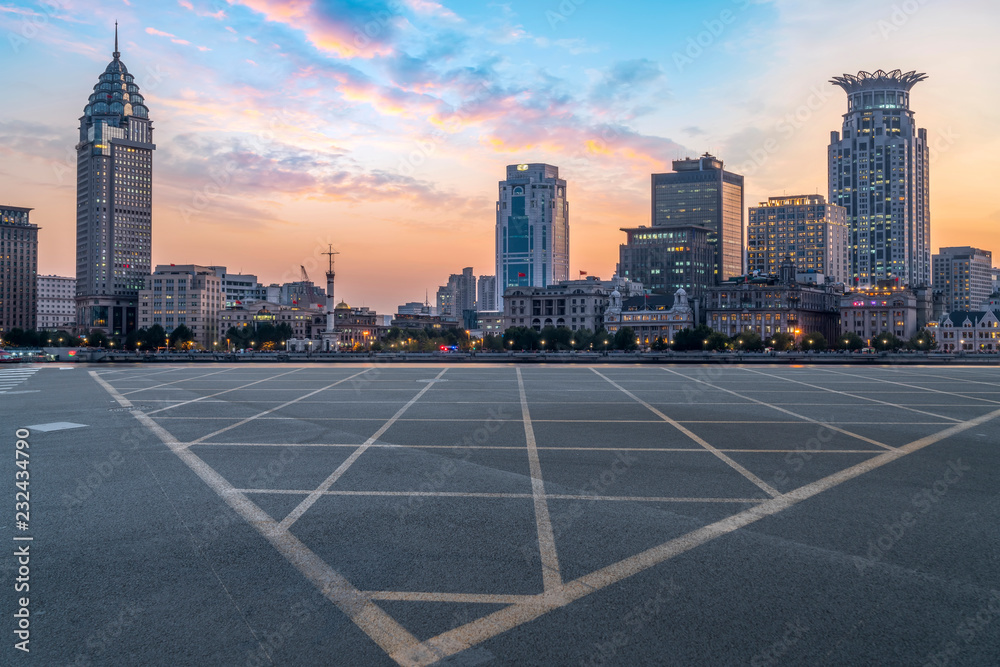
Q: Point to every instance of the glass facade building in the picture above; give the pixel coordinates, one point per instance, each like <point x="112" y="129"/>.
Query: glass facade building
<point x="700" y="192"/>
<point x="114" y="202"/>
<point x="878" y="171"/>
<point x="665" y="260"/>
<point x="532" y="230"/>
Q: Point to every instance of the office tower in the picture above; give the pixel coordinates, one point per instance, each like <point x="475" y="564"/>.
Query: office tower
<point x="532" y="233"/>
<point x="114" y="202"/>
<point x="665" y="260"/>
<point x="804" y="227"/>
<point x="458" y="295"/>
<point x="878" y="171"/>
<point x="185" y="294"/>
<point x="700" y="192"/>
<point x="56" y="303"/>
<point x="486" y="294"/>
<point x="18" y="269"/>
<point x="964" y="275"/>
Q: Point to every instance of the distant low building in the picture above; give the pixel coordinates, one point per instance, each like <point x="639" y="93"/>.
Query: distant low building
<point x="419" y="321"/>
<point x="651" y="317"/>
<point x="574" y="304"/>
<point x="306" y="323"/>
<point x="879" y="310"/>
<point x="768" y="306"/>
<point x="56" y="303"/>
<point x="490" y="322"/>
<point x="969" y="331"/>
<point x="357" y="327"/>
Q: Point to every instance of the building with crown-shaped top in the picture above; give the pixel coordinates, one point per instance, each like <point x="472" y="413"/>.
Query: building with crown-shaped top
<point x="114" y="202"/>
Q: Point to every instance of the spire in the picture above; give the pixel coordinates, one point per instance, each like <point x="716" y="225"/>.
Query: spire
<point x="116" y="54"/>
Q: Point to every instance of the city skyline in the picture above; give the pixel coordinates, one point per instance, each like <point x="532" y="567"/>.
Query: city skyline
<point x="282" y="128"/>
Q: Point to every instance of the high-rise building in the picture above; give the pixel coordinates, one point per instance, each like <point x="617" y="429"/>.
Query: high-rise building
<point x="56" y="303"/>
<point x="532" y="232"/>
<point x="114" y="202"/>
<point x="240" y="288"/>
<point x="878" y="171"/>
<point x="964" y="276"/>
<point x="486" y="294"/>
<point x="804" y="227"/>
<point x="18" y="270"/>
<point x="666" y="260"/>
<point x="185" y="294"/>
<point x="700" y="192"/>
<point x="458" y="295"/>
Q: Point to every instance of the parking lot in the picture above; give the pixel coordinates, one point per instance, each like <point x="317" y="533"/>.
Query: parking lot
<point x="497" y="514"/>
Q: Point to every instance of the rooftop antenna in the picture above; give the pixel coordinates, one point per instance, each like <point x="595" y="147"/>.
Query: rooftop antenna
<point x="116" y="54"/>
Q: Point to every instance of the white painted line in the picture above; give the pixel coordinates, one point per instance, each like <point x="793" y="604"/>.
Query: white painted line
<point x="197" y="400"/>
<point x="157" y="386"/>
<point x="788" y="412"/>
<point x="274" y="409"/>
<point x="55" y="426"/>
<point x="474" y="633"/>
<point x="507" y="496"/>
<point x="393" y="638"/>
<point x="551" y="448"/>
<point x="844" y="393"/>
<point x="757" y="481"/>
<point x="468" y="598"/>
<point x="551" y="575"/>
<point x="923" y="389"/>
<point x="23" y="391"/>
<point x="309" y="500"/>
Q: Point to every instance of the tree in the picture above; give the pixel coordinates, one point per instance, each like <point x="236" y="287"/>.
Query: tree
<point x="181" y="335"/>
<point x="850" y="341"/>
<point x="748" y="341"/>
<point x="923" y="341"/>
<point x="133" y="341"/>
<point x="716" y="342"/>
<point x="521" y="338"/>
<point x="813" y="341"/>
<point x="493" y="343"/>
<point x="582" y="338"/>
<point x="97" y="338"/>
<point x="602" y="339"/>
<point x="886" y="342"/>
<point x="155" y="338"/>
<point x="692" y="339"/>
<point x="659" y="344"/>
<point x="782" y="341"/>
<point x="625" y="339"/>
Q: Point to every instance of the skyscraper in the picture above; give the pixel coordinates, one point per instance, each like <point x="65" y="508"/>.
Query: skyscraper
<point x="532" y="233"/>
<point x="700" y="192"/>
<point x="878" y="171"/>
<point x="18" y="269"/>
<point x="804" y="227"/>
<point x="964" y="275"/>
<point x="486" y="294"/>
<point x="113" y="203"/>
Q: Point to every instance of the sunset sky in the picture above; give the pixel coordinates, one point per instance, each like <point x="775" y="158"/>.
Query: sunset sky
<point x="383" y="126"/>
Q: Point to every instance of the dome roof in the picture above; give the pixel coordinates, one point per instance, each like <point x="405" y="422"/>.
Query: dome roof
<point x="342" y="304"/>
<point x="116" y="93"/>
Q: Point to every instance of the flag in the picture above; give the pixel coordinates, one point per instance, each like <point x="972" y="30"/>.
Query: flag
<point x="522" y="275"/>
<point x="583" y="273"/>
<point x="239" y="303"/>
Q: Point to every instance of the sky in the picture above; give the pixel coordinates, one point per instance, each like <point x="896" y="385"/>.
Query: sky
<point x="382" y="127"/>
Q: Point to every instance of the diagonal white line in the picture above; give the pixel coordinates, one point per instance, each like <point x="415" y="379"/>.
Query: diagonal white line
<point x="551" y="575"/>
<point x="165" y="384"/>
<point x="844" y="393"/>
<point x="767" y="488"/>
<point x="393" y="638"/>
<point x="474" y="633"/>
<point x="787" y="412"/>
<point x="309" y="500"/>
<point x="220" y="393"/>
<point x="913" y="386"/>
<point x="270" y="410"/>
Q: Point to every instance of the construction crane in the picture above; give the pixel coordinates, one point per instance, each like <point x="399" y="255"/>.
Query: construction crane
<point x="305" y="276"/>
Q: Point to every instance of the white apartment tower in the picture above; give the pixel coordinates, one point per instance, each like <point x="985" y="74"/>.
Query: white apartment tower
<point x="878" y="171"/>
